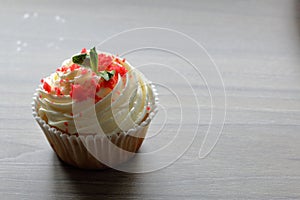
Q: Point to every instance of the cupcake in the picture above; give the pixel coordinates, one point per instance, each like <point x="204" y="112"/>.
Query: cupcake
<point x="95" y="109"/>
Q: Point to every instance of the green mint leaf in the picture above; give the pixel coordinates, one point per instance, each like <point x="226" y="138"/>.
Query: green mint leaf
<point x="106" y="75"/>
<point x="78" y="59"/>
<point x="94" y="59"/>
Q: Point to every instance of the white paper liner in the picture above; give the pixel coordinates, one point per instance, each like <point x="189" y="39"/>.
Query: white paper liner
<point x="85" y="151"/>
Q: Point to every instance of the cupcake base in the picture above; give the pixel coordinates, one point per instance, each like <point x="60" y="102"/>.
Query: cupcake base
<point x="86" y="151"/>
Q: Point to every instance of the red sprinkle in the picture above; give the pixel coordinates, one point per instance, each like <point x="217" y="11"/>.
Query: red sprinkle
<point x="62" y="69"/>
<point x="66" y="123"/>
<point x="71" y="92"/>
<point x="42" y="80"/>
<point x="58" y="91"/>
<point x="47" y="87"/>
<point x="119" y="69"/>
<point x="98" y="88"/>
<point x="104" y="61"/>
<point x="78" y="94"/>
<point x="97" y="99"/>
<point x="83" y="50"/>
<point x="93" y="83"/>
<point x="84" y="71"/>
<point x="110" y="83"/>
<point x="86" y="90"/>
<point x="82" y="92"/>
<point x="74" y="66"/>
<point x="148" y="108"/>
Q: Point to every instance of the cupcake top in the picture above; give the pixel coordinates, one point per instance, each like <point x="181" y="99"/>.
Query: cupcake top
<point x="92" y="84"/>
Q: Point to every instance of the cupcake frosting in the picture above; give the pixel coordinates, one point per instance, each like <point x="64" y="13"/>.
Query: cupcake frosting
<point x="119" y="95"/>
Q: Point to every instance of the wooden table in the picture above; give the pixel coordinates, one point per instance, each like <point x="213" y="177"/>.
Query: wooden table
<point x="256" y="46"/>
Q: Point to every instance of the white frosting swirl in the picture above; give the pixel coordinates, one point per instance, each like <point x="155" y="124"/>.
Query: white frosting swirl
<point x="117" y="109"/>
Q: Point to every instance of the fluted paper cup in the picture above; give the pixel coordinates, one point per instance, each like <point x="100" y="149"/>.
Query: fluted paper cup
<point x="88" y="151"/>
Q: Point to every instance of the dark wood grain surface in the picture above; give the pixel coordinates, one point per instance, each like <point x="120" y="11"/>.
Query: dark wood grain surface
<point x="256" y="47"/>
